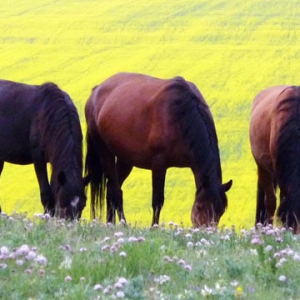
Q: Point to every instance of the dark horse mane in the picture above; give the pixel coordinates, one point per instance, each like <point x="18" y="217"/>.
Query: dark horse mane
<point x="58" y="127"/>
<point x="192" y="113"/>
<point x="288" y="148"/>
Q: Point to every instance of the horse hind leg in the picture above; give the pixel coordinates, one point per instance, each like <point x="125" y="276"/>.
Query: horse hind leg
<point x="266" y="198"/>
<point x="114" y="197"/>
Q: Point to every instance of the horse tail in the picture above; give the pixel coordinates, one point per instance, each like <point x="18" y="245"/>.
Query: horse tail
<point x="95" y="176"/>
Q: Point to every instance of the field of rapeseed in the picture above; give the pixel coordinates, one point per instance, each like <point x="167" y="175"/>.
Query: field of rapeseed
<point x="230" y="50"/>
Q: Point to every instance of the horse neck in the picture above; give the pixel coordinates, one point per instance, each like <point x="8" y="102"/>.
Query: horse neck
<point x="60" y="133"/>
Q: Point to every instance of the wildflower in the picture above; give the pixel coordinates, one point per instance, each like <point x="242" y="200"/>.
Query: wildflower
<point x="28" y="271"/>
<point x="181" y="262"/>
<point x="68" y="278"/>
<point x="162" y="279"/>
<point x="83" y="249"/>
<point x="256" y="240"/>
<point x="105" y="248"/>
<point x="132" y="239"/>
<point x="106" y="239"/>
<point x="31" y="255"/>
<point x="268" y="248"/>
<point x="188" y="267"/>
<point x="206" y="291"/>
<point x="282" y="278"/>
<point x="122" y="254"/>
<point x="155" y="226"/>
<point x="41" y="260"/>
<point x="118" y="234"/>
<point x="118" y="286"/>
<point x="204" y="242"/>
<point x="253" y="251"/>
<point x="107" y="290"/>
<point x="225" y="237"/>
<point x="4" y="251"/>
<point x="66" y="264"/>
<point x="122" y="280"/>
<point x="121" y="241"/>
<point x="23" y="250"/>
<point x="296" y="257"/>
<point x="82" y="278"/>
<point x="188" y="236"/>
<point x="234" y="283"/>
<point x="98" y="287"/>
<point x="3" y="266"/>
<point x="141" y="239"/>
<point x="190" y="244"/>
<point x="68" y="247"/>
<point x="19" y="262"/>
<point x="163" y="248"/>
<point x="168" y="259"/>
<point x="120" y="294"/>
<point x="239" y="292"/>
<point x="42" y="272"/>
<point x="171" y="224"/>
<point x="122" y="221"/>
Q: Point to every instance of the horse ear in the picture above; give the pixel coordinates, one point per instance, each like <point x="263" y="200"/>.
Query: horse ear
<point x="227" y="186"/>
<point x="61" y="178"/>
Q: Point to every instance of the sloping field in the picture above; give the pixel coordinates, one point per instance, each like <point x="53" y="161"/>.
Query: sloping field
<point x="230" y="49"/>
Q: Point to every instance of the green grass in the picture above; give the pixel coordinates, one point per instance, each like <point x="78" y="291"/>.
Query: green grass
<point x="230" y="50"/>
<point x="53" y="259"/>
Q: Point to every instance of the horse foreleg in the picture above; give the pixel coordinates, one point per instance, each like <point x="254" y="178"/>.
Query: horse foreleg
<point x="45" y="189"/>
<point x="123" y="171"/>
<point x="158" y="186"/>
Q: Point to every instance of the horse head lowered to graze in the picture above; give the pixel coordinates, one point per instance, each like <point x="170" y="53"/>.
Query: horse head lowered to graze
<point x="40" y="124"/>
<point x="151" y="123"/>
<point x="275" y="145"/>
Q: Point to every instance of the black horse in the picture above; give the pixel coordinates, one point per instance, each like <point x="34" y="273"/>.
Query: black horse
<point x="40" y="124"/>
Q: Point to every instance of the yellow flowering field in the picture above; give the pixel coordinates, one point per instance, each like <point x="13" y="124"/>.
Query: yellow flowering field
<point x="230" y="50"/>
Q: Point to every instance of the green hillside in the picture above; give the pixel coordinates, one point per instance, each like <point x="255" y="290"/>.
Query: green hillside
<point x="229" y="49"/>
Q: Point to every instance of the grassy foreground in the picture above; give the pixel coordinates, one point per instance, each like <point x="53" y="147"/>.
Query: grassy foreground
<point x="46" y="258"/>
<point x="230" y="49"/>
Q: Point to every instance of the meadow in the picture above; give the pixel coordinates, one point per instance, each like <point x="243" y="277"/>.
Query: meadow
<point x="44" y="258"/>
<point x="230" y="49"/>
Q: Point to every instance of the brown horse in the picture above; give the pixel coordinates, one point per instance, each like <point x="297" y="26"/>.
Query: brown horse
<point x="275" y="144"/>
<point x="151" y="123"/>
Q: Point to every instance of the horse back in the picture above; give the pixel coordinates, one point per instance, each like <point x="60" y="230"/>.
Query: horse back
<point x="16" y="112"/>
<point x="265" y="123"/>
<point x="131" y="114"/>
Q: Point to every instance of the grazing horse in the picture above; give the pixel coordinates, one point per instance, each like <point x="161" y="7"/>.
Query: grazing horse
<point x="151" y="123"/>
<point x="275" y="145"/>
<point x="40" y="124"/>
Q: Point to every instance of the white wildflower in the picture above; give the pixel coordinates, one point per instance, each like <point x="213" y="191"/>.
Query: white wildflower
<point x="98" y="287"/>
<point x="282" y="278"/>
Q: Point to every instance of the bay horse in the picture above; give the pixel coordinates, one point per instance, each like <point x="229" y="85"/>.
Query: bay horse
<point x="151" y="123"/>
<point x="275" y="145"/>
<point x="40" y="124"/>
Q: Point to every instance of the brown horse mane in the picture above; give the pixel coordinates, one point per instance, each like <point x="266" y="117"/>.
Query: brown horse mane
<point x="61" y="137"/>
<point x="192" y="113"/>
<point x="288" y="144"/>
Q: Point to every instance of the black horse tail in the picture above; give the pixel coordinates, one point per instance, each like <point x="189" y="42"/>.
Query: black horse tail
<point x="95" y="176"/>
